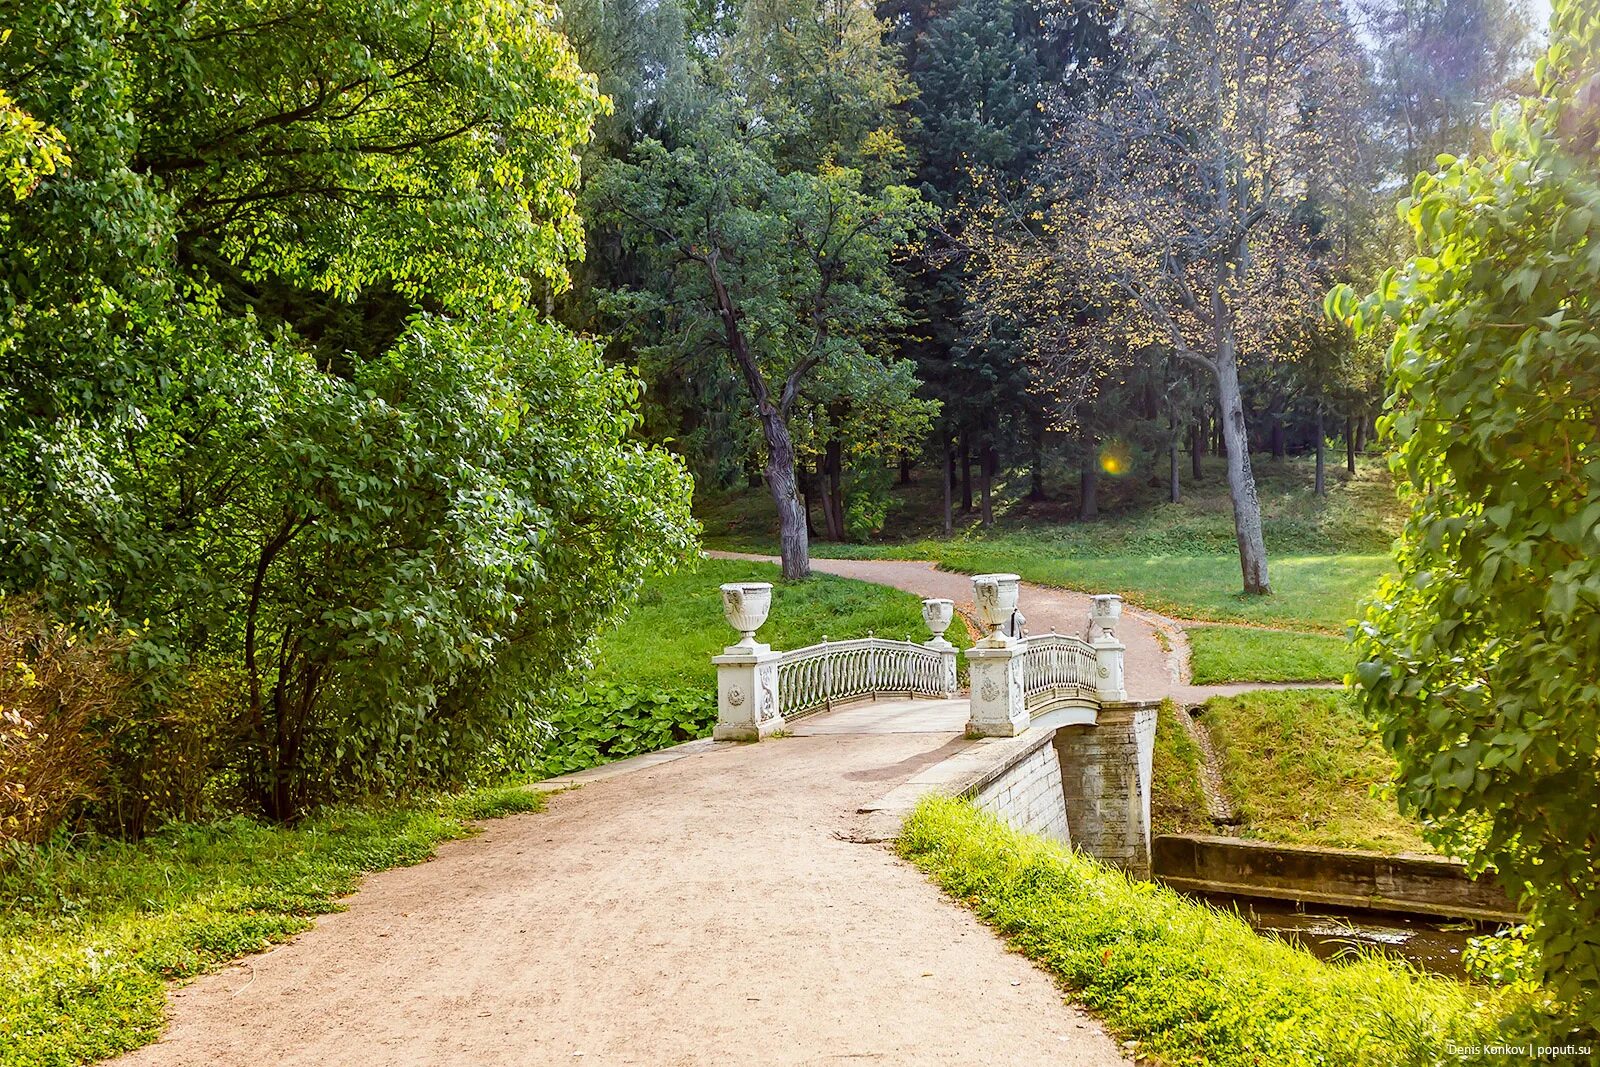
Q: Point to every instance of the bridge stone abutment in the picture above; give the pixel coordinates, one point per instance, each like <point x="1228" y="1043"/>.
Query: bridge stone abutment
<point x="1105" y="783"/>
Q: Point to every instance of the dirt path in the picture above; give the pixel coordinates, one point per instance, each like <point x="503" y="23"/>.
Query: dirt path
<point x="1156" y="667"/>
<point x="705" y="910"/>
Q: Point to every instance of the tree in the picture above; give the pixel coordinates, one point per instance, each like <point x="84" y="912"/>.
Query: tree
<point x="271" y="391"/>
<point x="782" y="271"/>
<point x="1440" y="66"/>
<point x="1478" y="655"/>
<point x="1168" y="200"/>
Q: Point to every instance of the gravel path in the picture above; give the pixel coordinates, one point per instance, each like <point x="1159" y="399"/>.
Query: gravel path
<point x="706" y="910"/>
<point x="1152" y="671"/>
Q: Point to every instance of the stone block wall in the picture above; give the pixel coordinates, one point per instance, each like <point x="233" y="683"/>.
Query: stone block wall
<point x="1028" y="796"/>
<point x="1105" y="772"/>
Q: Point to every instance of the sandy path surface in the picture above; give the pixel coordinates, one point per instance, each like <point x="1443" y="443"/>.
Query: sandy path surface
<point x="1151" y="671"/>
<point x="701" y="911"/>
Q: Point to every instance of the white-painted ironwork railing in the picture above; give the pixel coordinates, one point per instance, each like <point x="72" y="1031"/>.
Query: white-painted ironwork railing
<point x="833" y="672"/>
<point x="1057" y="667"/>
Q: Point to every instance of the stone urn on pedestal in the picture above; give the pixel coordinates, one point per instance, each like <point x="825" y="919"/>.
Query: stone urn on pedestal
<point x="995" y="596"/>
<point x="746" y="606"/>
<point x="748" y="705"/>
<point x="937" y="613"/>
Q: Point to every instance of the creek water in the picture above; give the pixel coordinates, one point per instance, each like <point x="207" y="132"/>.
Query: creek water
<point x="1433" y="945"/>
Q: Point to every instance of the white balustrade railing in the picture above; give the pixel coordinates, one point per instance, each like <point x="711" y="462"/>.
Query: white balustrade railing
<point x="833" y="672"/>
<point x="1057" y="667"/>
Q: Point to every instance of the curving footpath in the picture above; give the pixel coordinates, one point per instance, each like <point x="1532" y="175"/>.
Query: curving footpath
<point x="704" y="905"/>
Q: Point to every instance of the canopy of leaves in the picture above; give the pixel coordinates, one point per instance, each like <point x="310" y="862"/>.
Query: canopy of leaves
<point x="1480" y="654"/>
<point x="270" y="390"/>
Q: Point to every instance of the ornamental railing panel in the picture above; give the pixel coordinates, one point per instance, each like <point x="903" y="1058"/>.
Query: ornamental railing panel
<point x="819" y="676"/>
<point x="1056" y="667"/>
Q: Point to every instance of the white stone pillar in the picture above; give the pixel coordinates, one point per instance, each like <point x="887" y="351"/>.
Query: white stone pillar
<point x="995" y="676"/>
<point x="1110" y="685"/>
<point x="748" y="706"/>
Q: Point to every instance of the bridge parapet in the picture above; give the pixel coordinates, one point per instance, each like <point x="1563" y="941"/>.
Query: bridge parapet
<point x="759" y="689"/>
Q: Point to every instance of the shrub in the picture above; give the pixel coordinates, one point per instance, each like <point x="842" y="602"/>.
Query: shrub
<point x="55" y="685"/>
<point x="592" y="726"/>
<point x="1479" y="656"/>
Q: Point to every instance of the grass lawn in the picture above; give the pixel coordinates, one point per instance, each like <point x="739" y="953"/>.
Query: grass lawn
<point x="1179" y="559"/>
<point x="1246" y="654"/>
<point x="676" y="626"/>
<point x="1301" y="768"/>
<point x="89" y="933"/>
<point x="1194" y="986"/>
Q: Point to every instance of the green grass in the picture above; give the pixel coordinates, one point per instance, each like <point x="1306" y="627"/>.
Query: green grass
<point x="671" y="633"/>
<point x="1178" y="559"/>
<point x="1177" y="804"/>
<point x="1301" y="767"/>
<point x="1246" y="654"/>
<point x="89" y="933"/>
<point x="1194" y="986"/>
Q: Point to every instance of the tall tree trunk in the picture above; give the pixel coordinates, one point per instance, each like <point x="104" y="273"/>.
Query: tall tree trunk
<point x="905" y="469"/>
<point x="793" y="541"/>
<point x="1197" y="448"/>
<point x="966" y="472"/>
<point x="1036" y="465"/>
<point x="1241" y="480"/>
<point x="1322" y="456"/>
<point x="987" y="466"/>
<point x="808" y="481"/>
<point x="1089" y="482"/>
<point x="1175" y="487"/>
<point x="1350" y="444"/>
<point x="1361" y="433"/>
<point x="832" y="494"/>
<point x="1219" y="440"/>
<point x="948" y="463"/>
<point x="794" y="544"/>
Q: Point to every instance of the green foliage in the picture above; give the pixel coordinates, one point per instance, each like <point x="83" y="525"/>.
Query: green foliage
<point x="1479" y="655"/>
<point x="1194" y="986"/>
<point x="1303" y="767"/>
<point x="273" y="392"/>
<point x="596" y="725"/>
<point x="90" y="931"/>
<point x="1246" y="654"/>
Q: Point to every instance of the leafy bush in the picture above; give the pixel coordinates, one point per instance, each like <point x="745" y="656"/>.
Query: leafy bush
<point x="1196" y="987"/>
<point x="56" y="687"/>
<point x="588" y="727"/>
<point x="1479" y="656"/>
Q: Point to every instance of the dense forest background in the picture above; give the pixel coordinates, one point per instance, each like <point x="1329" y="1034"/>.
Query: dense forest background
<point x="846" y="245"/>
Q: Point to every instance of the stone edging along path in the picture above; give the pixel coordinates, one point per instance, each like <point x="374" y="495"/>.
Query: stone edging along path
<point x="1157" y="667"/>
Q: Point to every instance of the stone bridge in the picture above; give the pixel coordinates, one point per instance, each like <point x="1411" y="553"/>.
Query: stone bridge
<point x="1062" y="750"/>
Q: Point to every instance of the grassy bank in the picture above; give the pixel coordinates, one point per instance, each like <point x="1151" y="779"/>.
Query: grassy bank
<point x="1177" y="804"/>
<point x="90" y="932"/>
<point x="1301" y="767"/>
<point x="1246" y="654"/>
<point x="1192" y="985"/>
<point x="1298" y="766"/>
